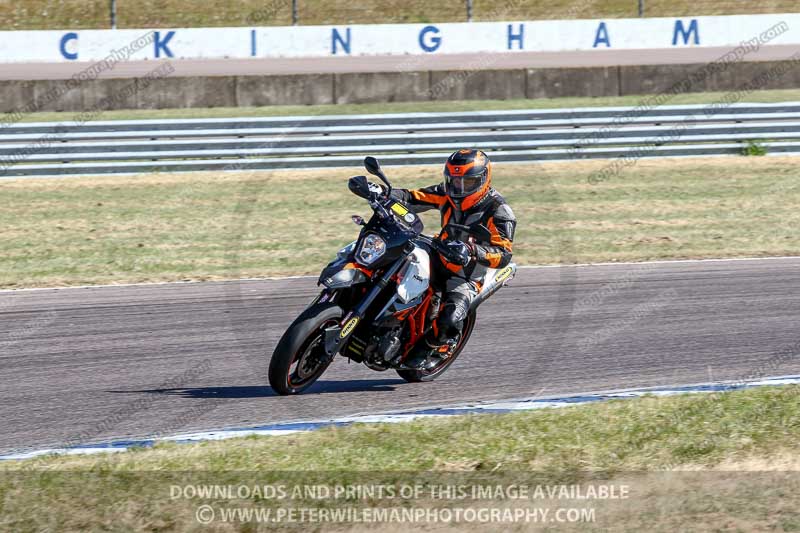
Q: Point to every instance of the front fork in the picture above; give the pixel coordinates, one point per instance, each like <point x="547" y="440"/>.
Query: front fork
<point x="336" y="336"/>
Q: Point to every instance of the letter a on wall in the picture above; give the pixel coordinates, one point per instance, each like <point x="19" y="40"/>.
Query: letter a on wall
<point x="601" y="36"/>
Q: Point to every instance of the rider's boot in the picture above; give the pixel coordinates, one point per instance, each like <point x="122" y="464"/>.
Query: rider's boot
<point x="427" y="355"/>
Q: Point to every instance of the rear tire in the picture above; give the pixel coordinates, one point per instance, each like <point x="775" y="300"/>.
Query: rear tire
<point x="417" y="376"/>
<point x="298" y="359"/>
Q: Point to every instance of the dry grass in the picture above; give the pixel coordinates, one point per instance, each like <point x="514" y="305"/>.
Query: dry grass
<point x="221" y="226"/>
<point x="777" y="462"/>
<point x="689" y="463"/>
<point x="59" y="14"/>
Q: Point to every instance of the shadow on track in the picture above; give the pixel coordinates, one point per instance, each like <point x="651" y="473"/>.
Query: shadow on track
<point x="320" y="387"/>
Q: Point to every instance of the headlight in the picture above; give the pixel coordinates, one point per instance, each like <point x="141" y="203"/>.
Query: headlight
<point x="372" y="248"/>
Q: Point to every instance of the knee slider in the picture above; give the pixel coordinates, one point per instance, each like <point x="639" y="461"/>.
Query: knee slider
<point x="454" y="312"/>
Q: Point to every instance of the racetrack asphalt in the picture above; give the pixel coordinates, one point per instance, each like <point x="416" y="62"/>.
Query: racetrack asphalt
<point x="86" y="365"/>
<point x="397" y="63"/>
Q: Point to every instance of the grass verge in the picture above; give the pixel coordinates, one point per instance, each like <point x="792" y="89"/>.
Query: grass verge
<point x="786" y="95"/>
<point x="203" y="226"/>
<point x="690" y="463"/>
<point x="74" y="14"/>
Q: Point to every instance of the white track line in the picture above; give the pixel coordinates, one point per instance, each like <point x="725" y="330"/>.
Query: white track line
<point x="496" y="406"/>
<point x="309" y="276"/>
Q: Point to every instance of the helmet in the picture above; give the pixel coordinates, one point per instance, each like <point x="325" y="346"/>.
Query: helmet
<point x="467" y="177"/>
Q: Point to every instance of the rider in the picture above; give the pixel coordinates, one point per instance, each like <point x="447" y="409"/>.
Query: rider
<point x="465" y="197"/>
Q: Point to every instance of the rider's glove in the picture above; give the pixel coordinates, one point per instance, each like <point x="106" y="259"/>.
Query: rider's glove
<point x="459" y="253"/>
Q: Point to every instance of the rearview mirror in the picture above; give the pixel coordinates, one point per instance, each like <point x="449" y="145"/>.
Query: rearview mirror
<point x="374" y="168"/>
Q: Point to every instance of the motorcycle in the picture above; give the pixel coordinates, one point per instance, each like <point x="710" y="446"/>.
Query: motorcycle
<point x="378" y="299"/>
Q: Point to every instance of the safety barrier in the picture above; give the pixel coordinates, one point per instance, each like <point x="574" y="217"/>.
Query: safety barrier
<point x="42" y="149"/>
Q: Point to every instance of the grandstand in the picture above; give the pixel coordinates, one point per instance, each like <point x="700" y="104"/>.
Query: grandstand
<point x="85" y="14"/>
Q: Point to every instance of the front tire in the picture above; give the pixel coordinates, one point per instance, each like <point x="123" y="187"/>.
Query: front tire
<point x="417" y="376"/>
<point x="299" y="358"/>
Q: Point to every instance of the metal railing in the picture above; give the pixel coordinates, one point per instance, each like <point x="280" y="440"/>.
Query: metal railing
<point x="44" y="149"/>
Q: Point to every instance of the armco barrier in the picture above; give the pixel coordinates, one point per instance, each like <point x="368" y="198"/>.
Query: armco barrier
<point x="42" y="149"/>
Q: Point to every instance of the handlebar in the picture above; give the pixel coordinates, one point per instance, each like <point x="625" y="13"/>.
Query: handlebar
<point x="437" y="245"/>
<point x="375" y="203"/>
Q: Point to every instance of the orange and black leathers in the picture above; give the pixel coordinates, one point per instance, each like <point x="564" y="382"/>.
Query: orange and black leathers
<point x="461" y="284"/>
<point x="491" y="210"/>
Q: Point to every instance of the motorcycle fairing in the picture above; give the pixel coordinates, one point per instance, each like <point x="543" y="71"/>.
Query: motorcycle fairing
<point x="343" y="272"/>
<point x="414" y="279"/>
<point x="342" y="276"/>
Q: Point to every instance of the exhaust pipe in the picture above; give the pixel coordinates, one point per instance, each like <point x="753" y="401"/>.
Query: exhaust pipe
<point x="495" y="284"/>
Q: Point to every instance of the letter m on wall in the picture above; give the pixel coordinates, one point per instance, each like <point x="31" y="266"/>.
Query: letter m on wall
<point x="686" y="33"/>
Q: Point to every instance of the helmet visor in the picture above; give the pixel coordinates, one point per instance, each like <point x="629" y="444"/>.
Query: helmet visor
<point x="463" y="186"/>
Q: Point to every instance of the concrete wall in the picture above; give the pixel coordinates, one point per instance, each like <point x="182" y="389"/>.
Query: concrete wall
<point x="244" y="91"/>
<point x="357" y="88"/>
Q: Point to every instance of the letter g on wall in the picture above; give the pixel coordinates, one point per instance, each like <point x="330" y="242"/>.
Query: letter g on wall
<point x="432" y="44"/>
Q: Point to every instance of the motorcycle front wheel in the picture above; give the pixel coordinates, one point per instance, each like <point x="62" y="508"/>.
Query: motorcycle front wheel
<point x="416" y="376"/>
<point x="299" y="358"/>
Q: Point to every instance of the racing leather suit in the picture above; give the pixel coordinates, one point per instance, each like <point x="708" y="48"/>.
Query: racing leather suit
<point x="461" y="284"/>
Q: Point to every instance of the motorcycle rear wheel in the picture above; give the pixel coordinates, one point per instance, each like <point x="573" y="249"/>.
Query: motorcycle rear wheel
<point x="299" y="358"/>
<point x="417" y="376"/>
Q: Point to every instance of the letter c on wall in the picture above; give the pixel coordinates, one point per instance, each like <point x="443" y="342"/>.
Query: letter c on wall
<point x="72" y="36"/>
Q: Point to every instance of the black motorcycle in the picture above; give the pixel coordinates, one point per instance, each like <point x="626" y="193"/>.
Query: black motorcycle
<point x="378" y="299"/>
